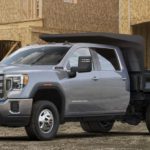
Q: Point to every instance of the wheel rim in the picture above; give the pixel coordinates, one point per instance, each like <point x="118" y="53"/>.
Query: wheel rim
<point x="46" y="121"/>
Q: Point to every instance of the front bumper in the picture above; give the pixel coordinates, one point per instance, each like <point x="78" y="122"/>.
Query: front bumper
<point x="15" y="112"/>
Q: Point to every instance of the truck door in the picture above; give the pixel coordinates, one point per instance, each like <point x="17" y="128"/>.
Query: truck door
<point x="81" y="90"/>
<point x="111" y="85"/>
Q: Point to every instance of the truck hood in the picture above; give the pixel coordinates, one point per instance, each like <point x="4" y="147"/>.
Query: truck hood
<point x="11" y="69"/>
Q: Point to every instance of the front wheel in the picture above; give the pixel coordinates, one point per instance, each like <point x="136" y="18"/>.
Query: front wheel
<point x="44" y="121"/>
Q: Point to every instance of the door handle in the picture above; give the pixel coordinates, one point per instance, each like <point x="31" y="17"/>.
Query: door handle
<point x="95" y="78"/>
<point x="124" y="79"/>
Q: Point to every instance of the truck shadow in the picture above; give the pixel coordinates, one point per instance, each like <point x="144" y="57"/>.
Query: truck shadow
<point x="77" y="136"/>
<point x="110" y="134"/>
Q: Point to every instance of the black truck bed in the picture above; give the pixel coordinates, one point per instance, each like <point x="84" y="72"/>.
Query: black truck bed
<point x="146" y="81"/>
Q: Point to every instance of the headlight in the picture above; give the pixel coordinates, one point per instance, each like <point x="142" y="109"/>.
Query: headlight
<point x="16" y="82"/>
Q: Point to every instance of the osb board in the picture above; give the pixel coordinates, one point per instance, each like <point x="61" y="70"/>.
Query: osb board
<point x="20" y="31"/>
<point x="124" y="17"/>
<point x="36" y="32"/>
<point x="81" y="16"/>
<point x="133" y="12"/>
<point x="140" y="11"/>
<point x="10" y="11"/>
<point x="16" y="34"/>
<point x="17" y="10"/>
<point x="85" y="15"/>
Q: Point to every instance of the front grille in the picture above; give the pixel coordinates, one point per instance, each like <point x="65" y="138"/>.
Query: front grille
<point x="1" y="85"/>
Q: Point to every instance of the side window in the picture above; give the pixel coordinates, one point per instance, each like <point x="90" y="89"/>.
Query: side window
<point x="73" y="60"/>
<point x="108" y="59"/>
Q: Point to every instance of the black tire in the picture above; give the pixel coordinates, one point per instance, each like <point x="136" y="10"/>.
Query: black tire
<point x="33" y="129"/>
<point x="147" y="117"/>
<point x="97" y="126"/>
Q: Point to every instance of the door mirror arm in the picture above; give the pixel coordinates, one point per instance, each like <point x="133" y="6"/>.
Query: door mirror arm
<point x="73" y="72"/>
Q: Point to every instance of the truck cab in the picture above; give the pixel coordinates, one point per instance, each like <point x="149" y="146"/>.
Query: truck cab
<point x="108" y="69"/>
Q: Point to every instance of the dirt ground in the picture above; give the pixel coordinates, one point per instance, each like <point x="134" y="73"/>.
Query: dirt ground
<point x="72" y="137"/>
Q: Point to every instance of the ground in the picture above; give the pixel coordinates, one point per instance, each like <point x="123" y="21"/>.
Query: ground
<point x="72" y="137"/>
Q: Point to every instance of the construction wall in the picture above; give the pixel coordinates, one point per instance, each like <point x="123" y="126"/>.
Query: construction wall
<point x="140" y="11"/>
<point x="18" y="10"/>
<point x="21" y="34"/>
<point x="19" y="31"/>
<point x="11" y="11"/>
<point x="81" y="15"/>
<point x="17" y="19"/>
<point x="132" y="12"/>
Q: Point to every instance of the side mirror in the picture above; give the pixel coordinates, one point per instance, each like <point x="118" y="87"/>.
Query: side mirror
<point x="84" y="64"/>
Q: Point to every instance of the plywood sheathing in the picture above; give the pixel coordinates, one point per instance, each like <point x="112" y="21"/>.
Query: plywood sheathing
<point x="124" y="17"/>
<point x="84" y="16"/>
<point x="140" y="11"/>
<point x="19" y="31"/>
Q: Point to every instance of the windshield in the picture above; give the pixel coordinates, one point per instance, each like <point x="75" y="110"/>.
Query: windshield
<point x="37" y="56"/>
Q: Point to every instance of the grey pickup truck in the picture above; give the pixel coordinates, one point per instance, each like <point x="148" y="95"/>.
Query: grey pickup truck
<point x="93" y="78"/>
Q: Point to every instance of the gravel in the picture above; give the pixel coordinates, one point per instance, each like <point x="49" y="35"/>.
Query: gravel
<point x="72" y="137"/>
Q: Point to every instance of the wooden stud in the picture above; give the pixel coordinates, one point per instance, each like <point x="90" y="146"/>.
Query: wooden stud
<point x="12" y="49"/>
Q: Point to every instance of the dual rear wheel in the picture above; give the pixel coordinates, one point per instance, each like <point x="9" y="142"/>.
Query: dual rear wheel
<point x="97" y="126"/>
<point x="147" y="118"/>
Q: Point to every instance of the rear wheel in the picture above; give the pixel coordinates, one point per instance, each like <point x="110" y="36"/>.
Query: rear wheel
<point x="97" y="126"/>
<point x="44" y="122"/>
<point x="148" y="118"/>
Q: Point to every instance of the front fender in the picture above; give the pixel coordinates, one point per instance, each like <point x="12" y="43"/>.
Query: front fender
<point x="50" y="86"/>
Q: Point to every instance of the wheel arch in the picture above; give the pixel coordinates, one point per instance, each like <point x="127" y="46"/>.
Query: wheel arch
<point x="50" y="89"/>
